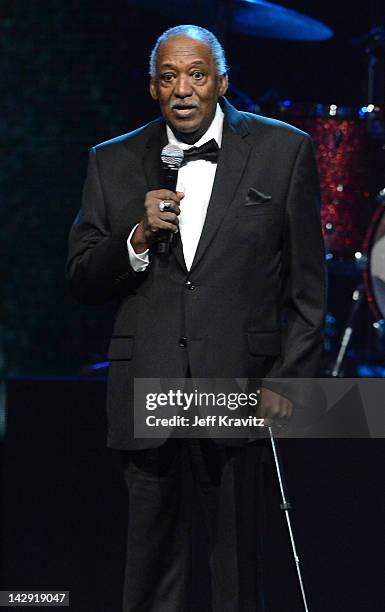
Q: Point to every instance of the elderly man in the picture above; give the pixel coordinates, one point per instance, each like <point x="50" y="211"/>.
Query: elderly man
<point x="241" y="294"/>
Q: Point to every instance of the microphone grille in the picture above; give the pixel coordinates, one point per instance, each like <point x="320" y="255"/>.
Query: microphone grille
<point x="172" y="155"/>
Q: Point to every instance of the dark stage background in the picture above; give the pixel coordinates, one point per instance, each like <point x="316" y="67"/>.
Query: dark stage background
<point x="74" y="74"/>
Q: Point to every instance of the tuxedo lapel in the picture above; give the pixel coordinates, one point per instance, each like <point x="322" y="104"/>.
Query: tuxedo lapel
<point x="232" y="161"/>
<point x="151" y="158"/>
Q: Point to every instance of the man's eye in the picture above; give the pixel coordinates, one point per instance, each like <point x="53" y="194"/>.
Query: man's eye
<point x="167" y="76"/>
<point x="197" y="76"/>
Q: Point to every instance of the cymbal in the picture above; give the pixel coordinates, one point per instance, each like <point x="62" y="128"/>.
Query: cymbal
<point x="268" y="20"/>
<point x="254" y="17"/>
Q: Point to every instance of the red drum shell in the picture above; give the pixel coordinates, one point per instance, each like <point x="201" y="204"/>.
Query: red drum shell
<point x="341" y="141"/>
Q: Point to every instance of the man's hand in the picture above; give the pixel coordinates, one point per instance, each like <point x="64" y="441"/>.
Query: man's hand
<point x="273" y="406"/>
<point x="154" y="220"/>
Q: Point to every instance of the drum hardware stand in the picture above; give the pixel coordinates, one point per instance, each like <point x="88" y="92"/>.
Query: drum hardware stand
<point x="286" y="507"/>
<point x="357" y="297"/>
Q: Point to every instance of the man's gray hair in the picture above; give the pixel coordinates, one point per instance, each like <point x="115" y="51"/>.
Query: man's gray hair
<point x="197" y="33"/>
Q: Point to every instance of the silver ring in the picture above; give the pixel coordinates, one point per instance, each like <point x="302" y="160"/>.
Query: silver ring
<point x="164" y="206"/>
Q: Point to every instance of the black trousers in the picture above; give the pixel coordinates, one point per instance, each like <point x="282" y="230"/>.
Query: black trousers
<point x="164" y="485"/>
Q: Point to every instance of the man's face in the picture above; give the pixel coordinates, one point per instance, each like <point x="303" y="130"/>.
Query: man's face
<point x="187" y="85"/>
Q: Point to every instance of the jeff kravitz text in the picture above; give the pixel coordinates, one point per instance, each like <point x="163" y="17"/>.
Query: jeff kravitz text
<point x="212" y="420"/>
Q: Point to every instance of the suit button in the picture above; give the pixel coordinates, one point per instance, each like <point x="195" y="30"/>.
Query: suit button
<point x="183" y="342"/>
<point x="190" y="286"/>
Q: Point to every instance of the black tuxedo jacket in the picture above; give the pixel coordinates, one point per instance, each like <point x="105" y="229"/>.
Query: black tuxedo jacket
<point x="258" y="299"/>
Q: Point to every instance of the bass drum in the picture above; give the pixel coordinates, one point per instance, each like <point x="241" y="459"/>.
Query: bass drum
<point x="374" y="275"/>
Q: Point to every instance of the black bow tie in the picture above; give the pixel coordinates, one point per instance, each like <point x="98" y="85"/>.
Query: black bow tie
<point x="209" y="150"/>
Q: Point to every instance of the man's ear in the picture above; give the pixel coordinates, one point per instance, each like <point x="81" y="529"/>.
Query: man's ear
<point x="223" y="83"/>
<point x="153" y="89"/>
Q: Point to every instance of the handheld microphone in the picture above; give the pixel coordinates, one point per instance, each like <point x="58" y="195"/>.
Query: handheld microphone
<point x="172" y="159"/>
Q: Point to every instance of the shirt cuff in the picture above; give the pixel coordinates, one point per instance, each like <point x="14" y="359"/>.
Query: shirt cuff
<point x="138" y="261"/>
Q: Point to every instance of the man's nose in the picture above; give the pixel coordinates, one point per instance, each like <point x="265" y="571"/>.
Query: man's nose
<point x="183" y="87"/>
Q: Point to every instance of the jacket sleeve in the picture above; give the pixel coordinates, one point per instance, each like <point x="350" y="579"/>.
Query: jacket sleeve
<point x="98" y="267"/>
<point x="304" y="279"/>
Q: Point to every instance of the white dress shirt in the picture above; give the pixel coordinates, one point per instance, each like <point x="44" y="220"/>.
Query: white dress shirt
<point x="195" y="180"/>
